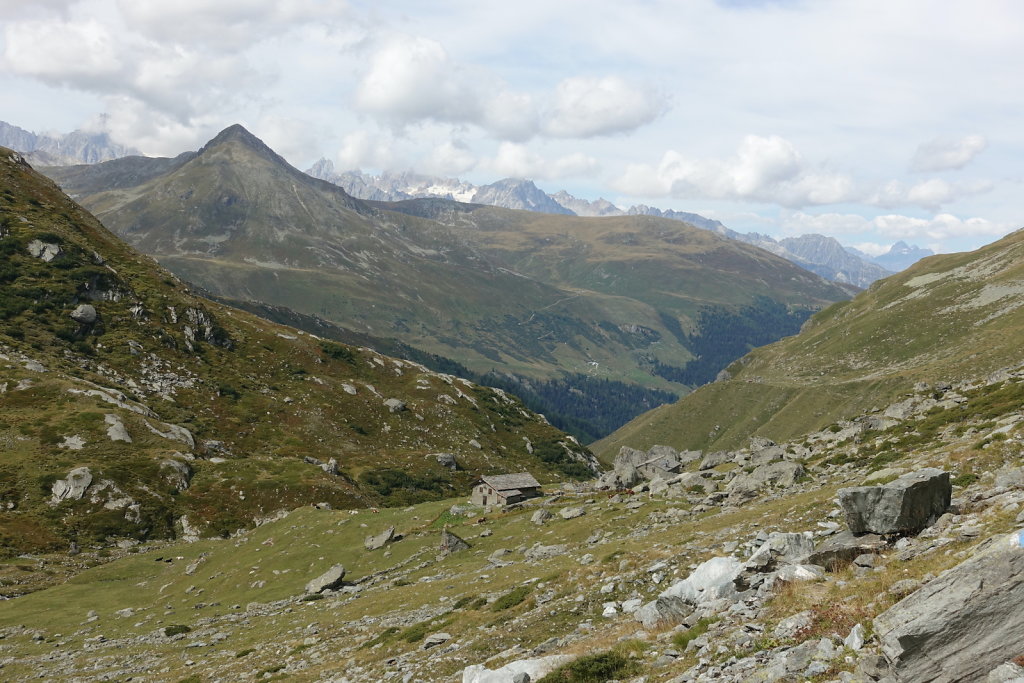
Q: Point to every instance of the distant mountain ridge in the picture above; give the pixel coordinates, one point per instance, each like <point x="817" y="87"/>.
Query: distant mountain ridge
<point x="78" y="147"/>
<point x="822" y="255"/>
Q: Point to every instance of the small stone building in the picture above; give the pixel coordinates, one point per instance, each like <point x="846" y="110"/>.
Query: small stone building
<point x="504" y="489"/>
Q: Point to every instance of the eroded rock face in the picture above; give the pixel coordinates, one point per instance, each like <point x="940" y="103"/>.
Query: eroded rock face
<point x="73" y="486"/>
<point x="903" y="506"/>
<point x="959" y="625"/>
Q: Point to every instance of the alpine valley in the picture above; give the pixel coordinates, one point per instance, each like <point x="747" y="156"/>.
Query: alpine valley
<point x="591" y="319"/>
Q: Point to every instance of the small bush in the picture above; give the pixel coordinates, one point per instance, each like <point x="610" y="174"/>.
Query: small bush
<point x="176" y="630"/>
<point x="964" y="479"/>
<point x="597" y="668"/>
<point x="243" y="653"/>
<point x="683" y="638"/>
<point x="511" y="599"/>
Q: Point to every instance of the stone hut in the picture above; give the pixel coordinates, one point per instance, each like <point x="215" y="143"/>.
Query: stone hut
<point x="504" y="489"/>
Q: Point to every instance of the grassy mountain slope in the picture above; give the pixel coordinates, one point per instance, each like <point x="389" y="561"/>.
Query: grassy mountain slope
<point x="947" y="317"/>
<point x="533" y="295"/>
<point x="180" y="406"/>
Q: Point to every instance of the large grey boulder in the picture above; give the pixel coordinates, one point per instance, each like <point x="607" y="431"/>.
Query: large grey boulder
<point x="395" y="405"/>
<point x="960" y="625"/>
<point x="84" y="314"/>
<point x="380" y="540"/>
<point x="329" y="580"/>
<point x="72" y="487"/>
<point x="903" y="506"/>
<point x="447" y="460"/>
<point x="47" y="251"/>
<point x="665" y="610"/>
<point x="116" y="429"/>
<point x="176" y="473"/>
<point x="711" y="580"/>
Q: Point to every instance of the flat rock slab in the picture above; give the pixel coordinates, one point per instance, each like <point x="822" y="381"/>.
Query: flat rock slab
<point x="960" y="625"/>
<point x="903" y="506"/>
<point x="329" y="580"/>
<point x="379" y="541"/>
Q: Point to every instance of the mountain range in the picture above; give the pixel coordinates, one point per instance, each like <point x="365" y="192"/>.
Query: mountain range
<point x="593" y="305"/>
<point x="77" y="147"/>
<point x="817" y="253"/>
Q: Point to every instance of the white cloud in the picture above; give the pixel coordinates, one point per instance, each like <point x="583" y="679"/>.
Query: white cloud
<point x="945" y="154"/>
<point x="764" y="169"/>
<point x="931" y="194"/>
<point x="587" y="107"/>
<point x="412" y="79"/>
<point x="450" y="158"/>
<point x="943" y="226"/>
<point x="872" y="248"/>
<point x="362" y="149"/>
<point x="518" y="161"/>
<point x="64" y="53"/>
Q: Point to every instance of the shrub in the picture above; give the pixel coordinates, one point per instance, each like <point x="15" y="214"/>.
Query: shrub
<point x="176" y="630"/>
<point x="511" y="599"/>
<point x="596" y="668"/>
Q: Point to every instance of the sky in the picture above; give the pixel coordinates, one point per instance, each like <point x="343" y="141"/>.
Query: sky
<point x="870" y="121"/>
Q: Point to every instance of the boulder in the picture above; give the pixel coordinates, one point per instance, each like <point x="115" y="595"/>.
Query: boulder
<point x="541" y="516"/>
<point x="84" y="314"/>
<point x="395" y="405"/>
<point x="46" y="251"/>
<point x="745" y="486"/>
<point x="545" y="552"/>
<point x="711" y="580"/>
<point x="73" y="486"/>
<point x="903" y="506"/>
<point x="329" y="580"/>
<point x="380" y="540"/>
<point x="959" y="625"/>
<point x="572" y="512"/>
<point x="435" y="639"/>
<point x="665" y="610"/>
<point x="715" y="459"/>
<point x="535" y="669"/>
<point x="840" y="549"/>
<point x="447" y="460"/>
<point x="450" y="543"/>
<point x="624" y="476"/>
<point x="781" y="548"/>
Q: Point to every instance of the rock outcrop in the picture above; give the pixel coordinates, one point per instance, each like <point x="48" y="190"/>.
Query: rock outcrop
<point x="960" y="625"/>
<point x="329" y="580"/>
<point x="73" y="486"/>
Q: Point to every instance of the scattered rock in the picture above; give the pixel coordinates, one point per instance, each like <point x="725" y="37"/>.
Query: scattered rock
<point x="840" y="549"/>
<point x="545" y="552"/>
<point x="541" y="516"/>
<point x="903" y="506"/>
<point x="855" y="641"/>
<point x="177" y="473"/>
<point x="572" y="512"/>
<point x="711" y="580"/>
<point x="790" y="626"/>
<point x="329" y="580"/>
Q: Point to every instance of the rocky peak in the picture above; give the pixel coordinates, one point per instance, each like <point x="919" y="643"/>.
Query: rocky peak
<point x="518" y="193"/>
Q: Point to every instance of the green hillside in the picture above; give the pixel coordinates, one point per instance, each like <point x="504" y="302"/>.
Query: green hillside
<point x="183" y="408"/>
<point x="947" y="318"/>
